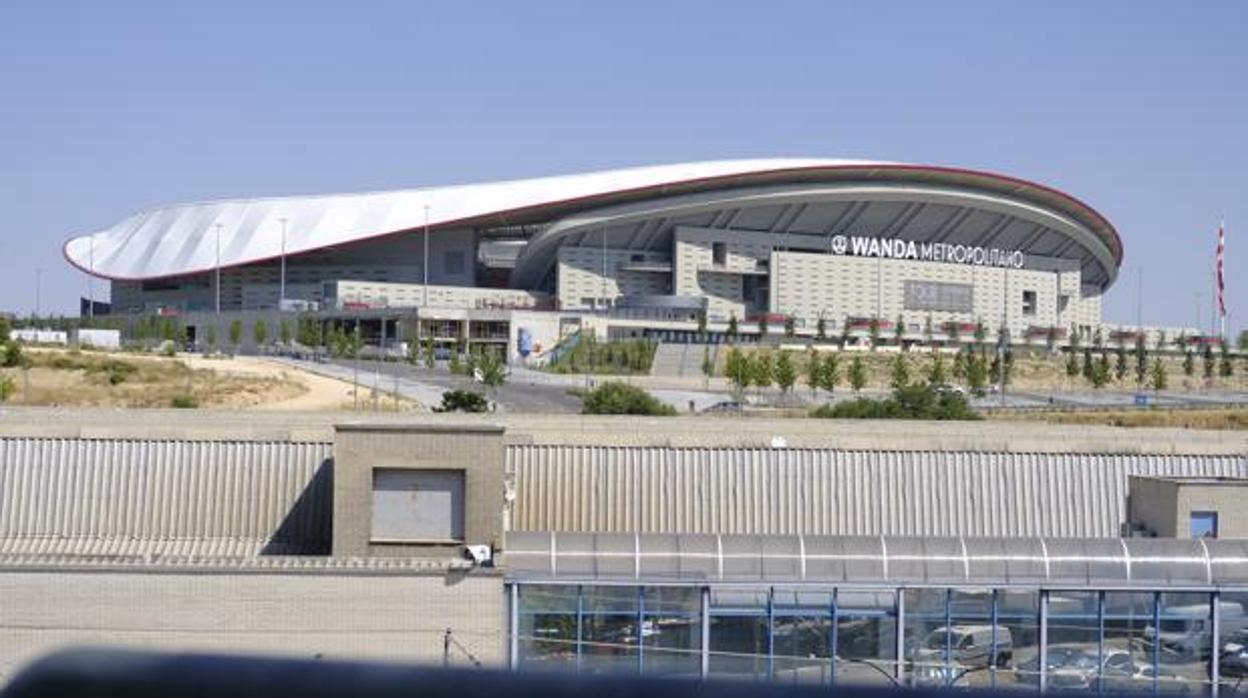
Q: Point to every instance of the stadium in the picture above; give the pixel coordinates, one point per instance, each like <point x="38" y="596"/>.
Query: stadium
<point x="815" y="244"/>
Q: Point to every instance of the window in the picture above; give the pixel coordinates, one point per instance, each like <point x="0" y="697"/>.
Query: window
<point x="453" y="262"/>
<point x="1204" y="524"/>
<point x="719" y="253"/>
<point x="418" y="506"/>
<point x="1029" y="302"/>
<point x="1062" y="302"/>
<point x="638" y="258"/>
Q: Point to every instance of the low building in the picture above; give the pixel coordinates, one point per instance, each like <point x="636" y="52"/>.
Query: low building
<point x="1188" y="507"/>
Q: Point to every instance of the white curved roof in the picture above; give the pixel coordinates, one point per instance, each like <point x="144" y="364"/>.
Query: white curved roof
<point x="182" y="239"/>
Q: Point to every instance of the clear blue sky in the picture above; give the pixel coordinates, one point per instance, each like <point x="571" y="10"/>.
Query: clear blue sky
<point x="1138" y="108"/>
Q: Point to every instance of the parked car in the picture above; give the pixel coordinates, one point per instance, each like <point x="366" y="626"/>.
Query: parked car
<point x="1075" y="667"/>
<point x="1233" y="659"/>
<point x="725" y="406"/>
<point x="947" y="654"/>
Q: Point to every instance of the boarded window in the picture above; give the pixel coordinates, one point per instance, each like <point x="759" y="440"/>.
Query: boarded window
<point x="418" y="505"/>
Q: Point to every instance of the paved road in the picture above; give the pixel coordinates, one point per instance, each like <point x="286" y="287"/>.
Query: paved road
<point x="531" y="391"/>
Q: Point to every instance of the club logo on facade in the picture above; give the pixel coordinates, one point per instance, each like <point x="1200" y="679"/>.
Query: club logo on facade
<point x="926" y="251"/>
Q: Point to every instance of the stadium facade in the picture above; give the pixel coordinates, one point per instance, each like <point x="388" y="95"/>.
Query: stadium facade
<point x="844" y="242"/>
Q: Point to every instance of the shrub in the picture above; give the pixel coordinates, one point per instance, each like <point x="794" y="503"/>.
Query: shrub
<point x="620" y="398"/>
<point x="910" y="402"/>
<point x="462" y="401"/>
<point x="184" y="402"/>
<point x="10" y="354"/>
<point x="7" y="388"/>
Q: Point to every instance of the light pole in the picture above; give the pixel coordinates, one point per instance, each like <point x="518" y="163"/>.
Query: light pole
<point x="218" y="279"/>
<point x="281" y="293"/>
<point x="91" y="279"/>
<point x="424" y="267"/>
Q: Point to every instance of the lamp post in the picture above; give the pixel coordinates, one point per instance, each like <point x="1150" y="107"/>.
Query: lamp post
<point x="91" y="279"/>
<point x="218" y="275"/>
<point x="281" y="293"/>
<point x="424" y="267"/>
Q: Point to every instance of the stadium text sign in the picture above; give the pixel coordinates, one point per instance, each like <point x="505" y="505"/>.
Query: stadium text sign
<point x="926" y="251"/>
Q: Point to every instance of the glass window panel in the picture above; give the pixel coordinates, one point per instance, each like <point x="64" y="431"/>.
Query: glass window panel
<point x="1233" y="641"/>
<point x="1128" y="619"/>
<point x="609" y="634"/>
<point x="927" y="636"/>
<point x="1019" y="613"/>
<point x="738" y="646"/>
<point x="547" y="627"/>
<point x="1074" y="652"/>
<point x="1186" y="640"/>
<point x="803" y="648"/>
<point x="673" y="600"/>
<point x="672" y="644"/>
<point x="737" y="601"/>
<point x="978" y="648"/>
<point x="866" y="637"/>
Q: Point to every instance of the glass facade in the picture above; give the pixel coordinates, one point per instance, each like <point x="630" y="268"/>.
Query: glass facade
<point x="1058" y="640"/>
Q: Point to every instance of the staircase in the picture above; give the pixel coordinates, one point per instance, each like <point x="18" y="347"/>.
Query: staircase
<point x="680" y="360"/>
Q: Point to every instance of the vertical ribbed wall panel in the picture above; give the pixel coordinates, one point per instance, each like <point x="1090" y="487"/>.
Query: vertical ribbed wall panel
<point x="68" y="488"/>
<point x="829" y="492"/>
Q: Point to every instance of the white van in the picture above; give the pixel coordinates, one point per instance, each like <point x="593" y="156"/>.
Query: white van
<point x="1187" y="631"/>
<point x="969" y="648"/>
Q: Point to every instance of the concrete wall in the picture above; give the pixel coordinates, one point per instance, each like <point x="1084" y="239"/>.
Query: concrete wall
<point x="477" y="450"/>
<point x="580" y="279"/>
<point x="1164" y="506"/>
<point x="334" y="614"/>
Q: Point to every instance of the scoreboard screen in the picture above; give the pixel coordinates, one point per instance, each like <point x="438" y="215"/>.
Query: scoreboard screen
<point x="935" y="295"/>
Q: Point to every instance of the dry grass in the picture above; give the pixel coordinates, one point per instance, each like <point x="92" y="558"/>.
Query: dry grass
<point x="1233" y="418"/>
<point x="90" y="379"/>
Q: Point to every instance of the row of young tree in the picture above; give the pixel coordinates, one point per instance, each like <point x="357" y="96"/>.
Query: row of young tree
<point x="825" y="370"/>
<point x="1098" y="372"/>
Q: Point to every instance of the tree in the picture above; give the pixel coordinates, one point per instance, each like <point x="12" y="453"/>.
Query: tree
<point x="959" y="365"/>
<point x="7" y="388"/>
<point x="1098" y="338"/>
<point x="830" y="372"/>
<point x="1189" y="364"/>
<point x="1158" y="375"/>
<point x="814" y="367"/>
<point x="1243" y="340"/>
<point x="762" y="325"/>
<point x="493" y="370"/>
<point x="981" y="331"/>
<point x="1074" y="337"/>
<point x="786" y="373"/>
<point x="899" y="329"/>
<point x="928" y="330"/>
<point x="1088" y="367"/>
<point x="430" y="352"/>
<point x="1100" y="372"/>
<point x="210" y="336"/>
<point x="857" y="374"/>
<point x="790" y="326"/>
<point x="1161" y="340"/>
<point x="260" y="332"/>
<point x="873" y="329"/>
<point x="1208" y="362"/>
<point x="976" y="373"/>
<point x="708" y="366"/>
<point x="1072" y="364"/>
<point x="702" y="322"/>
<point x="732" y="330"/>
<point x="1225" y="369"/>
<point x="936" y="372"/>
<point x="613" y="397"/>
<point x="762" y="371"/>
<point x="284" y="333"/>
<point x="737" y="369"/>
<point x="236" y="334"/>
<point x="821" y="329"/>
<point x="1120" y="363"/>
<point x="1141" y="359"/>
<point x="900" y="374"/>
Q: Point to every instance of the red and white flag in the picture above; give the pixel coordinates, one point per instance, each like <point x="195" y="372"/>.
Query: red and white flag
<point x="1221" y="277"/>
